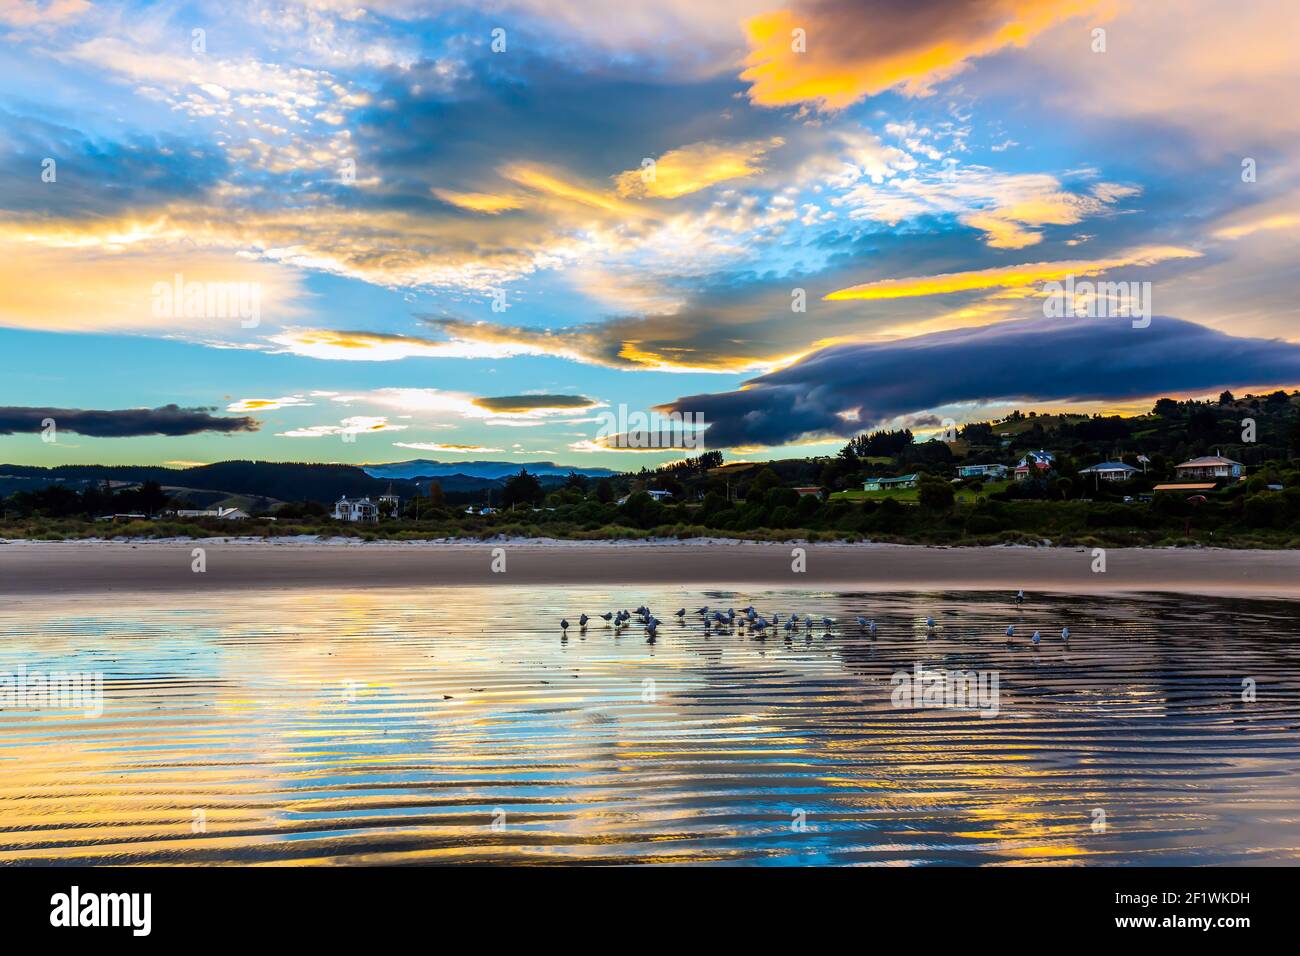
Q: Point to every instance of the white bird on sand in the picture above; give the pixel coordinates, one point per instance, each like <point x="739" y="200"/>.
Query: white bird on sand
<point x="1065" y="633"/>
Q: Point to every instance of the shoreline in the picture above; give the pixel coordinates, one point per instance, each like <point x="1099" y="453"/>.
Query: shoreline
<point x="43" y="568"/>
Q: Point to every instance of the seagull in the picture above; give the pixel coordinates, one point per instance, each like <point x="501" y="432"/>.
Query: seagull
<point x="871" y="626"/>
<point x="564" y="624"/>
<point x="827" y="622"/>
<point x="582" y="620"/>
<point x="862" y="621"/>
<point x="607" y="615"/>
<point x="681" y="612"/>
<point x="703" y="610"/>
<point x="1011" y="632"/>
<point x="1065" y="633"/>
<point x="1035" y="638"/>
<point x="1020" y="597"/>
<point x="929" y="622"/>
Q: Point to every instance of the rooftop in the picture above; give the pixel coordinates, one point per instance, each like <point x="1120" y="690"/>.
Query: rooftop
<point x="1207" y="462"/>
<point x="1107" y="466"/>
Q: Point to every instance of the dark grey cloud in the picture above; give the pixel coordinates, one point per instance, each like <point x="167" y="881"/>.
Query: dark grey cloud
<point x="1036" y="359"/>
<point x="95" y="176"/>
<point x="528" y="403"/>
<point x="122" y="423"/>
<point x="529" y="108"/>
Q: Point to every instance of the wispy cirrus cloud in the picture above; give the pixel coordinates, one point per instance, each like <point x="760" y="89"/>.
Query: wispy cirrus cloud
<point x="449" y="447"/>
<point x="352" y="425"/>
<point x="1010" y="209"/>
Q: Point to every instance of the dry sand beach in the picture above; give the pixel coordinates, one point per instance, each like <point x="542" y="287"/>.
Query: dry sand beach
<point x="29" y="568"/>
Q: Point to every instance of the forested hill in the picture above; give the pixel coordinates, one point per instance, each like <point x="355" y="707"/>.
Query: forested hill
<point x="286" y="481"/>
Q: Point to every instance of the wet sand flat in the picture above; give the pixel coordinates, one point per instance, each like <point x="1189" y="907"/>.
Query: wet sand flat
<point x="43" y="568"/>
<point x="393" y="726"/>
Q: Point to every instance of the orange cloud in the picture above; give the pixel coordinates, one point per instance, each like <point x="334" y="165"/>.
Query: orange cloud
<point x="835" y="52"/>
<point x="697" y="166"/>
<point x="1007" y="277"/>
<point x="479" y="202"/>
<point x="549" y="183"/>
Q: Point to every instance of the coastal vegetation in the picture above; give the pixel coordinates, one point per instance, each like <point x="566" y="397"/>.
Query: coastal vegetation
<point x="813" y="499"/>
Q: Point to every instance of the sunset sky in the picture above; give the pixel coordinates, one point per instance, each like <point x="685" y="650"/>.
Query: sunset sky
<point x="382" y="175"/>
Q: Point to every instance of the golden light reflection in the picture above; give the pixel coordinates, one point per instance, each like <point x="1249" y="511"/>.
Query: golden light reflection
<point x="392" y="724"/>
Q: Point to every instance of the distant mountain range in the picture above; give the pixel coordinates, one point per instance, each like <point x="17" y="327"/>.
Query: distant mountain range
<point x="428" y="468"/>
<point x="273" y="481"/>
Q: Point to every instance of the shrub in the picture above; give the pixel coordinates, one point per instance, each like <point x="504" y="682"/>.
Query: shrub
<point x="935" y="495"/>
<point x="982" y="524"/>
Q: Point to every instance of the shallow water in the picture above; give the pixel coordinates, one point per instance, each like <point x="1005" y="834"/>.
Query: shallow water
<point x="451" y="725"/>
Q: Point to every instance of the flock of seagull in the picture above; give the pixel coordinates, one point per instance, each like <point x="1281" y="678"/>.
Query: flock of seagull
<point x="725" y="621"/>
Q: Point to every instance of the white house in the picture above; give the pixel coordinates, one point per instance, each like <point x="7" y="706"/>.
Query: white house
<point x="1110" y="471"/>
<point x="225" y="514"/>
<point x="1041" y="457"/>
<point x="355" y="509"/>
<point x="1211" y="466"/>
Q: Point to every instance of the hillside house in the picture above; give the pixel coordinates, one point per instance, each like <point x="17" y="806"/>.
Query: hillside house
<point x="884" y="484"/>
<point x="1110" y="471"/>
<point x="1035" y="464"/>
<point x="1212" y="467"/>
<point x="982" y="471"/>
